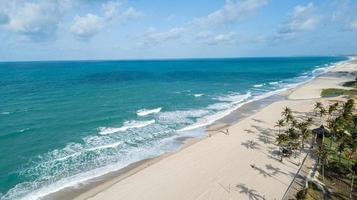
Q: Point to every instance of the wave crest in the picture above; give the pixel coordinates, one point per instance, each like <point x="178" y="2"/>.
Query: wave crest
<point x="144" y="112"/>
<point x="126" y="126"/>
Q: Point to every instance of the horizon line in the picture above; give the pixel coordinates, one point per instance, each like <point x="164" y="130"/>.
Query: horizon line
<point x="172" y="58"/>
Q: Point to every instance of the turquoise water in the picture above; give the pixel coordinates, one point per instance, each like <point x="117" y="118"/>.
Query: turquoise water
<point x="62" y="123"/>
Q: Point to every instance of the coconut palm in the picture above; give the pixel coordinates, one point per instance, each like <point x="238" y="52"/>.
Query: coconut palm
<point x="322" y="153"/>
<point x="351" y="174"/>
<point x="309" y="121"/>
<point x="322" y="112"/>
<point x="293" y="137"/>
<point x="287" y="114"/>
<point x="280" y="123"/>
<point x="287" y="111"/>
<point x="347" y="109"/>
<point x="304" y="135"/>
<point x="282" y="140"/>
<point x="340" y="148"/>
<point x="331" y="109"/>
<point x="354" y="119"/>
<point x="317" y="107"/>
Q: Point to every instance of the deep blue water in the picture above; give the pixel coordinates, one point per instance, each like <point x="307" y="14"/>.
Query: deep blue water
<point x="64" y="122"/>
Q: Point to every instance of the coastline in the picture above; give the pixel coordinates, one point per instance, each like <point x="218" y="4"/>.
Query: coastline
<point x="103" y="183"/>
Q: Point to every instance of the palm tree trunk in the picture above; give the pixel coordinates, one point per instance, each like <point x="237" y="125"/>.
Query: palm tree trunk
<point x="351" y="189"/>
<point x="323" y="171"/>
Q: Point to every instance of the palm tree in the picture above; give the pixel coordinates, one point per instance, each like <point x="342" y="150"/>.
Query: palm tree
<point x="309" y="121"/>
<point x="341" y="147"/>
<point x="294" y="122"/>
<point x="317" y="107"/>
<point x="287" y="111"/>
<point x="352" y="173"/>
<point x="305" y="134"/>
<point x="287" y="114"/>
<point x="347" y="109"/>
<point x="322" y="112"/>
<point x="280" y="123"/>
<point x="354" y="119"/>
<point x="282" y="140"/>
<point x="336" y="125"/>
<point x="331" y="109"/>
<point x="322" y="153"/>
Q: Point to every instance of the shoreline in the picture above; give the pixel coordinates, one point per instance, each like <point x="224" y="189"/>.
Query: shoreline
<point x="101" y="183"/>
<point x="106" y="180"/>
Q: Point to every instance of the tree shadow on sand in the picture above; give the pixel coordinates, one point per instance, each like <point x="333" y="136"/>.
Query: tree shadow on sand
<point x="265" y="139"/>
<point x="250" y="144"/>
<point x="261" y="171"/>
<point x="275" y="170"/>
<point x="264" y="131"/>
<point x="248" y="131"/>
<point x="251" y="193"/>
<point x="258" y="120"/>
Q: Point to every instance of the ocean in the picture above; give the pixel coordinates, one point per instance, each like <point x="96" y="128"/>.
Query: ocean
<point x="65" y="122"/>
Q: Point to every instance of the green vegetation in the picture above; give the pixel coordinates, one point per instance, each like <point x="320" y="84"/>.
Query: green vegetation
<point x="313" y="192"/>
<point x="334" y="92"/>
<point x="337" y="155"/>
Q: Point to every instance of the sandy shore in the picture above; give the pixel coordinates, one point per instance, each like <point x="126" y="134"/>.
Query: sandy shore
<point x="219" y="167"/>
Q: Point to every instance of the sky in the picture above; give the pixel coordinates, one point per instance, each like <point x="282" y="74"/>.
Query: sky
<point x="146" y="29"/>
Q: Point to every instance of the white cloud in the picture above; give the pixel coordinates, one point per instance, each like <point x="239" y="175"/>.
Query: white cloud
<point x="131" y="13"/>
<point x="210" y="38"/>
<point x="152" y="36"/>
<point x="86" y="26"/>
<point x="111" y="8"/>
<point x="231" y="12"/>
<point x="302" y="19"/>
<point x="37" y="20"/>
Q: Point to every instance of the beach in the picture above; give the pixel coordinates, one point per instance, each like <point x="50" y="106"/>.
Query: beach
<point x="241" y="164"/>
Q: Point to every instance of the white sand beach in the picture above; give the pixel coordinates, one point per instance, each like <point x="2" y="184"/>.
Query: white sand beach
<point x="220" y="166"/>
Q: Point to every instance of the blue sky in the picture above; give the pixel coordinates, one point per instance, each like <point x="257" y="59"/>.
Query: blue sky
<point x="144" y="29"/>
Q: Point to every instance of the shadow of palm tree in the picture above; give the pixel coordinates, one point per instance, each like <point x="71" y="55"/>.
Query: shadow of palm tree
<point x="264" y="131"/>
<point x="251" y="193"/>
<point x="250" y="144"/>
<point x="261" y="171"/>
<point x="275" y="170"/>
<point x="248" y="131"/>
<point x="265" y="139"/>
<point x="258" y="120"/>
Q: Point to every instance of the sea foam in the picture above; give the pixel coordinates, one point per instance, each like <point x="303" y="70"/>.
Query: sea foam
<point x="144" y="112"/>
<point x="258" y="85"/>
<point x="126" y="126"/>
